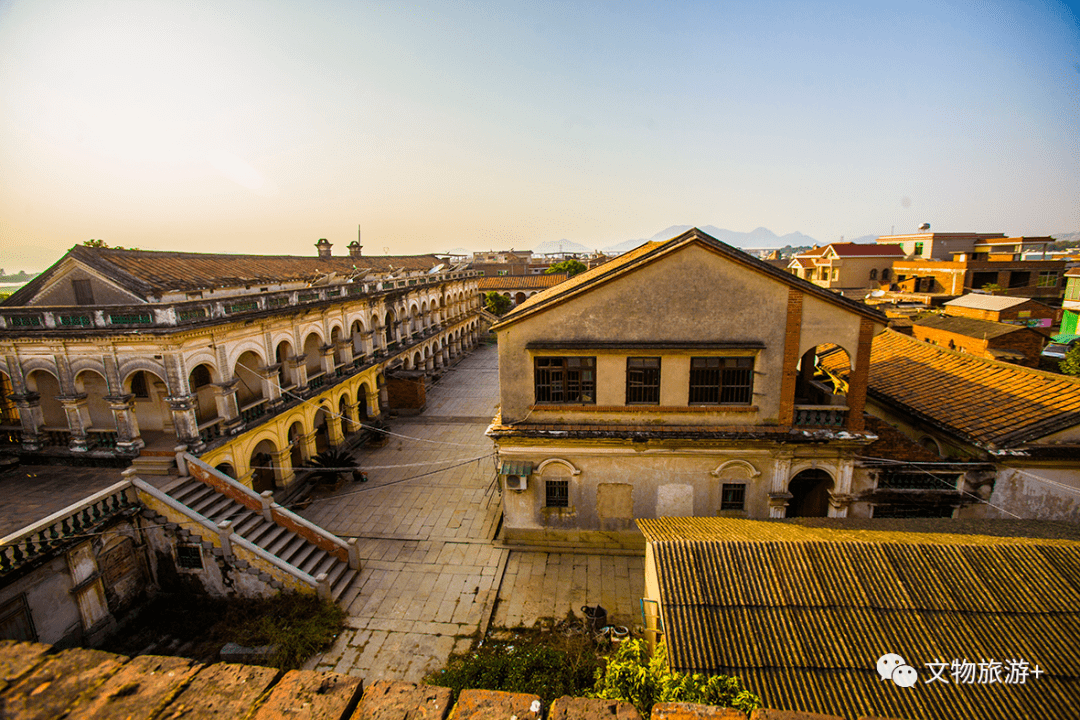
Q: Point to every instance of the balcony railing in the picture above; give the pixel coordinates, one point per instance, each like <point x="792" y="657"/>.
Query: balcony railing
<point x="73" y="523"/>
<point x="821" y="416"/>
<point x="211" y="430"/>
<point x="314" y="382"/>
<point x="254" y="411"/>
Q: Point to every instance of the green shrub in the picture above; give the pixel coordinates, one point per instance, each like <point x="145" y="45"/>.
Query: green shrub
<point x="632" y="676"/>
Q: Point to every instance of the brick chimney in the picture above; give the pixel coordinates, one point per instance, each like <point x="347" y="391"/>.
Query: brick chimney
<point x="354" y="249"/>
<point x="323" y="246"/>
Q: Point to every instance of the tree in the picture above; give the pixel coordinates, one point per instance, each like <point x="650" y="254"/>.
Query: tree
<point x="570" y="267"/>
<point x="1070" y="364"/>
<point x="94" y="243"/>
<point x="993" y="289"/>
<point x="496" y="303"/>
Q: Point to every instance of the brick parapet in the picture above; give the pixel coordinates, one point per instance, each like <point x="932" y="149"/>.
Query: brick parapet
<point x="38" y="682"/>
<point x="792" y="338"/>
<point x="860" y="377"/>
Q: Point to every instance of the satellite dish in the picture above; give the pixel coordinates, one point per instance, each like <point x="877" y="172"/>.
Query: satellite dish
<point x="924" y="226"/>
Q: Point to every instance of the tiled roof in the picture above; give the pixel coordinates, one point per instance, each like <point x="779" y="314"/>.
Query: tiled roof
<point x="969" y="327"/>
<point x="629" y="261"/>
<point x="521" y="282"/>
<point x="985" y="402"/>
<point x="148" y="273"/>
<point x="801" y="614"/>
<point x="986" y="302"/>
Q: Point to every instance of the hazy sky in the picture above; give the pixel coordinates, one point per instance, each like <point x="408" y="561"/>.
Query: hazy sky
<point x="237" y="126"/>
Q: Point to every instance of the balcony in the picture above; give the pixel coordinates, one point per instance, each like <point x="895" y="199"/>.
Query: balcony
<point x="821" y="416"/>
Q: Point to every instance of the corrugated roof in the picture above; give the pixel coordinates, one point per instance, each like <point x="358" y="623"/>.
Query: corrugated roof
<point x="989" y="403"/>
<point x="651" y="251"/>
<point x="801" y="614"/>
<point x="521" y="282"/>
<point x="969" y="327"/>
<point x="986" y="302"/>
<point x="150" y="273"/>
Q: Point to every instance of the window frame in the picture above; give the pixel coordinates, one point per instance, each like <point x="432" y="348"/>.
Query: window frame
<point x="1047" y="279"/>
<point x="647" y="387"/>
<point x="735" y="488"/>
<point x="721" y="384"/>
<point x="585" y="387"/>
<point x="83" y="289"/>
<point x="557" y="490"/>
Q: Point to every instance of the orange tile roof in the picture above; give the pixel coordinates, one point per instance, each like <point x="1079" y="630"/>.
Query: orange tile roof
<point x="988" y="403"/>
<point x="650" y="251"/>
<point x="521" y="282"/>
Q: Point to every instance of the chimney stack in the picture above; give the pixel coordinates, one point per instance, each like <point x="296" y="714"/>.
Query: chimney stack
<point x="323" y="246"/>
<point x="354" y="249"/>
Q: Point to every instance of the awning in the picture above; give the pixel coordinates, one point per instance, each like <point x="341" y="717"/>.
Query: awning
<point x="1064" y="338"/>
<point x="516" y="468"/>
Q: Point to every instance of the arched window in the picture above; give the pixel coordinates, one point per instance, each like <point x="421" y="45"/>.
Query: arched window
<point x="885" y="274"/>
<point x="873" y="274"/>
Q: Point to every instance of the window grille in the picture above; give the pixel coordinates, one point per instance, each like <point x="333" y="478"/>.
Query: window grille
<point x="733" y="496"/>
<point x="556" y="493"/>
<point x="565" y="379"/>
<point x="721" y="380"/>
<point x="189" y="557"/>
<point x="643" y="381"/>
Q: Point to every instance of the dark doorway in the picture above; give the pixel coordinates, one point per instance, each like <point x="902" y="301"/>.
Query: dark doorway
<point x="810" y="494"/>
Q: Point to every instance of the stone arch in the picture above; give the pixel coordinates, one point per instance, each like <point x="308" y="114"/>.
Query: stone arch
<point x="297" y="445"/>
<point x="313" y="344"/>
<point x="96" y="387"/>
<point x="150" y="389"/>
<point x="262" y="465"/>
<point x="78" y="365"/>
<point x="283" y="354"/>
<point x="47" y="385"/>
<point x="555" y="463"/>
<point x="226" y="468"/>
<point x="931" y="443"/>
<point x="356" y="334"/>
<point x="201" y="384"/>
<point x="347" y="427"/>
<point x="519" y="298"/>
<point x="821" y="376"/>
<point x="362" y="401"/>
<point x="320" y="424"/>
<point x="734" y="468"/>
<point x="249" y="385"/>
<point x="810" y="493"/>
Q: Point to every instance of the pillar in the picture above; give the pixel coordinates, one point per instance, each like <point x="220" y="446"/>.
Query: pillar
<point x="384" y="396"/>
<point x="78" y="419"/>
<point x="367" y="344"/>
<point x="333" y="428"/>
<point x="128" y="440"/>
<point x="328" y="360"/>
<point x="185" y="422"/>
<point x="308" y="449"/>
<point x="270" y="388"/>
<point x="373" y="404"/>
<point x="227" y="405"/>
<point x="30" y="418"/>
<point x="445" y="354"/>
<point x="298" y="367"/>
<point x="283" y="468"/>
<point x="429" y="364"/>
<point x="346" y="349"/>
<point x="352" y="422"/>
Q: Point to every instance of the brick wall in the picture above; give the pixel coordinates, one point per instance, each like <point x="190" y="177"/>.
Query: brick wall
<point x="406" y="394"/>
<point x="1025" y="341"/>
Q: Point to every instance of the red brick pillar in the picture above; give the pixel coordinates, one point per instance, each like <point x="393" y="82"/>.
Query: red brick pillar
<point x="792" y="337"/>
<point x="856" y="395"/>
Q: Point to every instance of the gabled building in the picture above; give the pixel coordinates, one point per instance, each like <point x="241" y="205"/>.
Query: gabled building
<point x="253" y="363"/>
<point x="847" y="266"/>
<point x="984" y="338"/>
<point x="1003" y="309"/>
<point x="518" y="288"/>
<point x="677" y="379"/>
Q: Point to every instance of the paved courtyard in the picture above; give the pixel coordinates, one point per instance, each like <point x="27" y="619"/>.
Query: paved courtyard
<point x="433" y="575"/>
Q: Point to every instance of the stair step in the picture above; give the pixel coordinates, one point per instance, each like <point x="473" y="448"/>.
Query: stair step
<point x="300" y="554"/>
<point x="214" y="508"/>
<point x="343" y="590"/>
<point x="269" y="538"/>
<point x="325" y="566"/>
<point x="284" y="545"/>
<point x="334" y="573"/>
<point x="262" y="530"/>
<point x="248" y="523"/>
<point x="313" y="561"/>
<point x="194" y="493"/>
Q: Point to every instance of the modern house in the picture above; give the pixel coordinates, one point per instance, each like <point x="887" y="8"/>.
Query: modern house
<point x="1003" y="309"/>
<point x="847" y="267"/>
<point x="678" y="379"/>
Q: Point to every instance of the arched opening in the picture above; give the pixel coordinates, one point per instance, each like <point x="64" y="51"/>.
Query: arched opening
<point x="46" y="385"/>
<point x="9" y="412"/>
<point x="414" y="321"/>
<point x="357" y="336"/>
<point x="201" y="382"/>
<point x="335" y="342"/>
<point x="821" y="388"/>
<point x="519" y="298"/>
<point x="297" y="451"/>
<point x="285" y="377"/>
<point x="425" y="318"/>
<point x="885" y="275"/>
<point x="249" y="389"/>
<point x="388" y="328"/>
<point x="343" y="413"/>
<point x="102" y="423"/>
<point x="417" y="362"/>
<point x="362" y="402"/>
<point x="322" y="430"/>
<point x="809" y="494"/>
<point x="313" y="359"/>
<point x="151" y="411"/>
<point x="873" y="274"/>
<point x="262" y="466"/>
<point x="226" y="469"/>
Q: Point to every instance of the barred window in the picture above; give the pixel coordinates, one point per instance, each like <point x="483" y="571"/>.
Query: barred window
<point x="189" y="557"/>
<point x="1048" y="279"/>
<point x="565" y="379"/>
<point x="556" y="493"/>
<point x="733" y="496"/>
<point x="721" y="380"/>
<point x="643" y="381"/>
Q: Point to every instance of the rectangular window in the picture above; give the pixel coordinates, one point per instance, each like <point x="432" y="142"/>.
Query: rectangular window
<point x="733" y="496"/>
<point x="503" y="273"/>
<point x="1072" y="289"/>
<point x="84" y="292"/>
<point x="1019" y="279"/>
<point x="189" y="557"/>
<point x="565" y="379"/>
<point x="721" y="380"/>
<point x="1048" y="279"/>
<point x="557" y="493"/>
<point x="919" y="249"/>
<point x="643" y="381"/>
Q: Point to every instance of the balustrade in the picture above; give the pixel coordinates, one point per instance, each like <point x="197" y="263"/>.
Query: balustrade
<point x="823" y="416"/>
<point x="254" y="411"/>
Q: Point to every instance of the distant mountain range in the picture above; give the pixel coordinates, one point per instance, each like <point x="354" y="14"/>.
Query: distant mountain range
<point x="758" y="238"/>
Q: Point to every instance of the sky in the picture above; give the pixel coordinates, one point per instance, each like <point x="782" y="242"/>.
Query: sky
<point x="259" y="127"/>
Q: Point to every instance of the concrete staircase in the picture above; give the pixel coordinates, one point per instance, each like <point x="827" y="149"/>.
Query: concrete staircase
<point x="278" y="540"/>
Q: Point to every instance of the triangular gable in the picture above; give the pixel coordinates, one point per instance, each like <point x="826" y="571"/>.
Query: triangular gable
<point x="654" y="251"/>
<point x="74" y="261"/>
